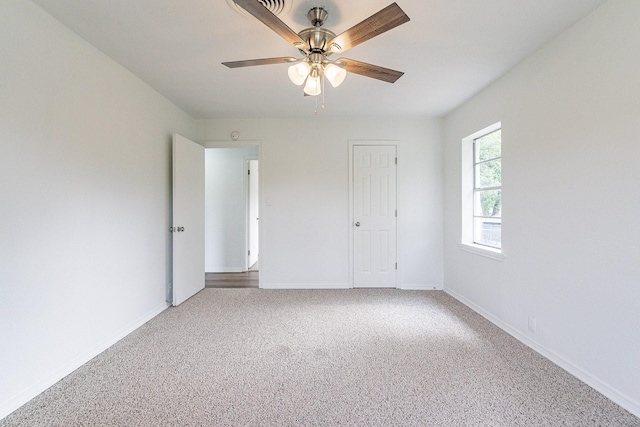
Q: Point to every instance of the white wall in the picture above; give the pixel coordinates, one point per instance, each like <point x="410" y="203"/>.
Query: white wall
<point x="225" y="210"/>
<point x="84" y="191"/>
<point x="304" y="211"/>
<point x="571" y="145"/>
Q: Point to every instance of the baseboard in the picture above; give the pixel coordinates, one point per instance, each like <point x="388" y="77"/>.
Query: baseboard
<point x="404" y="287"/>
<point x="35" y="389"/>
<point x="419" y="287"/>
<point x="226" y="270"/>
<point x="620" y="398"/>
<point x="305" y="286"/>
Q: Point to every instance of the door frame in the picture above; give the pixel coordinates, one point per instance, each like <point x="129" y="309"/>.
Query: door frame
<point x="246" y="205"/>
<point x="247" y="144"/>
<point x="350" y="225"/>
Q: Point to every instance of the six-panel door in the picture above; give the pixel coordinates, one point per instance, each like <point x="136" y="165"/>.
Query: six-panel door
<point x="374" y="216"/>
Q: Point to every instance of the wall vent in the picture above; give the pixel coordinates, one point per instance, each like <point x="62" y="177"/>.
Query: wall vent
<point x="275" y="6"/>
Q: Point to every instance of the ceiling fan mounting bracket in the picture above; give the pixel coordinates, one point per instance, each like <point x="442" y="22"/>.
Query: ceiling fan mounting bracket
<point x="317" y="16"/>
<point x="316" y="38"/>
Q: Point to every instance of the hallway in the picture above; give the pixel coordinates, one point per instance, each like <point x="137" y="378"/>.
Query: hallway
<point x="248" y="279"/>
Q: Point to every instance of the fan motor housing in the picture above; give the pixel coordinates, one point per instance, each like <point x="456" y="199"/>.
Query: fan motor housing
<point x="317" y="38"/>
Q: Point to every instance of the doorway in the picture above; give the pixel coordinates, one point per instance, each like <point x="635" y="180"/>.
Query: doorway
<point x="231" y="199"/>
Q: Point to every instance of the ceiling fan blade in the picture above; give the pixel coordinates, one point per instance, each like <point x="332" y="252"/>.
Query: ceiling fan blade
<point x="384" y="20"/>
<point x="368" y="70"/>
<point x="265" y="61"/>
<point x="264" y="15"/>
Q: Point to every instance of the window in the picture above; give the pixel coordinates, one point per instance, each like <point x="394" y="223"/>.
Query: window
<point x="482" y="192"/>
<point x="487" y="190"/>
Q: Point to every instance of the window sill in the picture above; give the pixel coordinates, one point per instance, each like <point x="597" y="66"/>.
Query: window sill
<point x="495" y="254"/>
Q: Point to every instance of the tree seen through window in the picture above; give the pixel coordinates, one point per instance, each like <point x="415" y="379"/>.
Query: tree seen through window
<point x="487" y="207"/>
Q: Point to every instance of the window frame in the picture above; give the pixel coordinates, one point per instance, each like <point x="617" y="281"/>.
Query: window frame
<point x="468" y="192"/>
<point x="478" y="188"/>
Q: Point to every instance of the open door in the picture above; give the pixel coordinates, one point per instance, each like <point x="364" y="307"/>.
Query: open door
<point x="188" y="219"/>
<point x="253" y="214"/>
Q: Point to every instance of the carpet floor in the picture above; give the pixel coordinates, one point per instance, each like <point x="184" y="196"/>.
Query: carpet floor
<point x="254" y="357"/>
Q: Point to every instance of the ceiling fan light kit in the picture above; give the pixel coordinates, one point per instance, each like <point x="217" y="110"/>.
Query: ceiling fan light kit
<point x="335" y="74"/>
<point x="313" y="68"/>
<point x="298" y="73"/>
<point x="312" y="85"/>
<point x="317" y="44"/>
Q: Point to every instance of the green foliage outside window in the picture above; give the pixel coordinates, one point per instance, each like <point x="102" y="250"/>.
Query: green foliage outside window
<point x="488" y="152"/>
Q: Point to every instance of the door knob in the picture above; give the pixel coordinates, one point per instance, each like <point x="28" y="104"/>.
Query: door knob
<point x="357" y="224"/>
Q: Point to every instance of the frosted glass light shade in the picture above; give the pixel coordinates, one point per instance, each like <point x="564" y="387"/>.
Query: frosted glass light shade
<point x="298" y="73"/>
<point x="313" y="85"/>
<point x="335" y="74"/>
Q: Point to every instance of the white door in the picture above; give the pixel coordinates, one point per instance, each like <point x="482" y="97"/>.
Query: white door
<point x="188" y="218"/>
<point x="253" y="212"/>
<point x="374" y="216"/>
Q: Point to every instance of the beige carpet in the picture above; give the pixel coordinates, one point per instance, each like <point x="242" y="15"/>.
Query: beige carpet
<point x="253" y="357"/>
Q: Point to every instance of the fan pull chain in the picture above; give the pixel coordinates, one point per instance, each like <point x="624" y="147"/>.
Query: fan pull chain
<point x="316" y="109"/>
<point x="323" y="91"/>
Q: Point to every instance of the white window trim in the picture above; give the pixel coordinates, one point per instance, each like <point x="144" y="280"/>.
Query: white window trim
<point x="467" y="243"/>
<point x="485" y="251"/>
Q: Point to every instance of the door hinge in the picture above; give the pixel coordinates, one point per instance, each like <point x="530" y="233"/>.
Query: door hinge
<point x="248" y="253"/>
<point x="396" y="265"/>
<point x="248" y="171"/>
<point x="396" y="213"/>
<point x="396" y="160"/>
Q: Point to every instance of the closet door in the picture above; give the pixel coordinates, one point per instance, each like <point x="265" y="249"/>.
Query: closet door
<point x="374" y="216"/>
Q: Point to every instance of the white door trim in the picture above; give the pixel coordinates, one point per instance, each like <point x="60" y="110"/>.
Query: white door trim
<point x="246" y="207"/>
<point x="367" y="142"/>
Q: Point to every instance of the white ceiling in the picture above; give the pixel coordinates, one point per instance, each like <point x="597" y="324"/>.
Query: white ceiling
<point x="450" y="50"/>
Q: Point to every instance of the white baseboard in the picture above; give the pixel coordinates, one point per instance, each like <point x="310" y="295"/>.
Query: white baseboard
<point x="404" y="287"/>
<point x="305" y="286"/>
<point x="621" y="399"/>
<point x="226" y="270"/>
<point x="31" y="391"/>
<point x="419" y="287"/>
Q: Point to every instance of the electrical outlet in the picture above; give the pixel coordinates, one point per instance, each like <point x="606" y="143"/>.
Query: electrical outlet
<point x="532" y="323"/>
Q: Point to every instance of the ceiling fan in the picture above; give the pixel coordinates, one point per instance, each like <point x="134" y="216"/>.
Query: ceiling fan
<point x="317" y="44"/>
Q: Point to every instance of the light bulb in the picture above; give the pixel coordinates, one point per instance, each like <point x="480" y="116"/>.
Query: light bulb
<point x="335" y="74"/>
<point x="298" y="73"/>
<point x="313" y="85"/>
